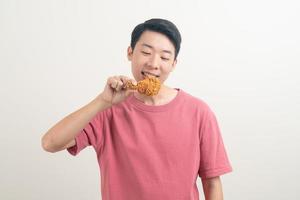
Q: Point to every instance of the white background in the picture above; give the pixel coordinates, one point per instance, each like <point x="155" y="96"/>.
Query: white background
<point x="241" y="57"/>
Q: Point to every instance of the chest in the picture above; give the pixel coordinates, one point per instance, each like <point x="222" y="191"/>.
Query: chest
<point x="158" y="133"/>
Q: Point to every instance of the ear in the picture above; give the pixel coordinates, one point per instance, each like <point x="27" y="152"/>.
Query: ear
<point x="174" y="64"/>
<point x="129" y="53"/>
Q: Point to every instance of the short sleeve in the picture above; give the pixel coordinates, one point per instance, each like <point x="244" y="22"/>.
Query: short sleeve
<point x="213" y="157"/>
<point x="90" y="135"/>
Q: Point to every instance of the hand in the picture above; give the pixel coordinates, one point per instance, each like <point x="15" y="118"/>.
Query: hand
<point x="114" y="91"/>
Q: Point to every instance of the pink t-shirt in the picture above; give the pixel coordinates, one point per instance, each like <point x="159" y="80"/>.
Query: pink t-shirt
<point x="155" y="152"/>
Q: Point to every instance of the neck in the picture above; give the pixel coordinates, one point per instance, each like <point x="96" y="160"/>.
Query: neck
<point x="164" y="95"/>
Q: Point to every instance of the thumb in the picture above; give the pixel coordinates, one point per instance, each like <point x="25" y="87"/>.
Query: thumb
<point x="134" y="82"/>
<point x="128" y="92"/>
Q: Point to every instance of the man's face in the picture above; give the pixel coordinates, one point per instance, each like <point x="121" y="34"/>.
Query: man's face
<point x="153" y="54"/>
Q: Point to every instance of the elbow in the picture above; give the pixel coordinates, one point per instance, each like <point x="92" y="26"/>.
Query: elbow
<point x="47" y="145"/>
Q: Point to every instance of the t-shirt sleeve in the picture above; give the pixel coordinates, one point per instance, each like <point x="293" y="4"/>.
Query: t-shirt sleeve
<point x="213" y="157"/>
<point x="90" y="135"/>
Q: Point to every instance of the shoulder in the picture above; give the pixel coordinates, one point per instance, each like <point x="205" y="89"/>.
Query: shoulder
<point x="198" y="109"/>
<point x="194" y="102"/>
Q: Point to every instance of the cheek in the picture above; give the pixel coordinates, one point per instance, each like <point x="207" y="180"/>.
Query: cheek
<point x="166" y="68"/>
<point x="135" y="60"/>
<point x="140" y="60"/>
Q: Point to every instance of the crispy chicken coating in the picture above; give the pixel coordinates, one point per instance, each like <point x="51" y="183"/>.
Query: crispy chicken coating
<point x="149" y="86"/>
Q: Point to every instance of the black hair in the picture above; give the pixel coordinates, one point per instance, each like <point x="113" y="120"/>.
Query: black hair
<point x="161" y="26"/>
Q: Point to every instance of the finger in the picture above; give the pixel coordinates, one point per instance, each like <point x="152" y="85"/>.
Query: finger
<point x="133" y="81"/>
<point x="129" y="92"/>
<point x="120" y="83"/>
<point x="124" y="79"/>
<point x="113" y="82"/>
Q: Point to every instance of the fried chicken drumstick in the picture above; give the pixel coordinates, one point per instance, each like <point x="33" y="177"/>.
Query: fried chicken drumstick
<point x="149" y="86"/>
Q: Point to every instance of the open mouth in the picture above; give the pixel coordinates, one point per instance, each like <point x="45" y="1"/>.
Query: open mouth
<point x="149" y="74"/>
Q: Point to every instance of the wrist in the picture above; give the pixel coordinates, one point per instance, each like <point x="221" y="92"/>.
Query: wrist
<point x="102" y="102"/>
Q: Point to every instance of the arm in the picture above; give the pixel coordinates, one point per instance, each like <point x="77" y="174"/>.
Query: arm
<point x="212" y="188"/>
<point x="62" y="135"/>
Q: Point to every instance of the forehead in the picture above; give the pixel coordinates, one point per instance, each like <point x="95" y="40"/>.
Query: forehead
<point x="157" y="40"/>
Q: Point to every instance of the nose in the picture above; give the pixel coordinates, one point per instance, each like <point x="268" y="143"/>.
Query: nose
<point x="153" y="62"/>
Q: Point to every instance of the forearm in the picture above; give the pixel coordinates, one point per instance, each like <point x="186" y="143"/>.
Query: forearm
<point x="212" y="188"/>
<point x="66" y="130"/>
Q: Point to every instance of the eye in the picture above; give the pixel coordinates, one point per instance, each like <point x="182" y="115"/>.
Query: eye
<point x="166" y="59"/>
<point x="145" y="53"/>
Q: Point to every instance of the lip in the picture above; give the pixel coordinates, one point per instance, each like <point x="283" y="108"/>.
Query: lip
<point x="144" y="73"/>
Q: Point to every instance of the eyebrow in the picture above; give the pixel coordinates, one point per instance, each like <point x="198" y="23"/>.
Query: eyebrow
<point x="151" y="47"/>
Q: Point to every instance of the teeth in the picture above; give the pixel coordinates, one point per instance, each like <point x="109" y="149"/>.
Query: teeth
<point x="146" y="73"/>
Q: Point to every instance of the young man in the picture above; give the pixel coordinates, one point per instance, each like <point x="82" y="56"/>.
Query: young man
<point x="148" y="148"/>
